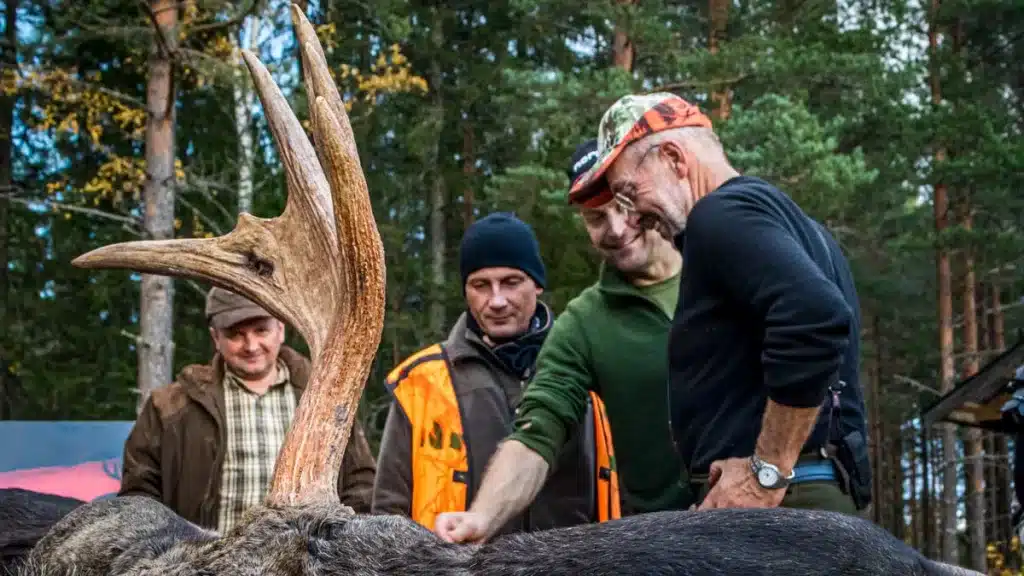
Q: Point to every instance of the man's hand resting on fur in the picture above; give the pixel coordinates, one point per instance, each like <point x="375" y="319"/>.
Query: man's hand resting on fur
<point x="462" y="527"/>
<point x="733" y="485"/>
<point x="514" y="476"/>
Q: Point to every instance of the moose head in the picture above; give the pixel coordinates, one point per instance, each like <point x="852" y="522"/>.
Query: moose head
<point x="320" y="267"/>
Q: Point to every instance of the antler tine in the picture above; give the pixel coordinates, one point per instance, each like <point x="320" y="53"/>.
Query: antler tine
<point x="318" y="80"/>
<point x="310" y="459"/>
<point x="306" y="181"/>
<point x="267" y="261"/>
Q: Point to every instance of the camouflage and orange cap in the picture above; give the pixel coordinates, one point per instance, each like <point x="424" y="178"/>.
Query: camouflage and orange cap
<point x="631" y="118"/>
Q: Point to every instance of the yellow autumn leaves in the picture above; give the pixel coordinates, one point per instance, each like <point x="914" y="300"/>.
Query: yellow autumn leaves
<point x="997" y="560"/>
<point x="78" y="105"/>
<point x="389" y="73"/>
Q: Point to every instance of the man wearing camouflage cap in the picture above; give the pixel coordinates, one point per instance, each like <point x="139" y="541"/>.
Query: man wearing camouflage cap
<point x="206" y="444"/>
<point x="610" y="340"/>
<point x="765" y="399"/>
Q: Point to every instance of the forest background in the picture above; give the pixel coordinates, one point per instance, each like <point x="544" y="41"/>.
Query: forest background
<point x="897" y="123"/>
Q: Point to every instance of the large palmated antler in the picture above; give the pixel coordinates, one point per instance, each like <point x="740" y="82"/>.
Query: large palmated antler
<point x="319" y="267"/>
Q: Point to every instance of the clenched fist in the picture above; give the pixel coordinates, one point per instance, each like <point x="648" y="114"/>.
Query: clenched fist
<point x="462" y="527"/>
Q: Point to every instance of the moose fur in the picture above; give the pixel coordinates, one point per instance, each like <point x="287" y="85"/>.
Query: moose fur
<point x="138" y="536"/>
<point x="25" y="517"/>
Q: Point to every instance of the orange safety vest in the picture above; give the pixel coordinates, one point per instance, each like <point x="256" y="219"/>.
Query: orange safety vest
<point x="422" y="385"/>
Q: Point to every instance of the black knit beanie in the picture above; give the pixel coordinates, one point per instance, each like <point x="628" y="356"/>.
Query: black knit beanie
<point x="582" y="159"/>
<point x="501" y="239"/>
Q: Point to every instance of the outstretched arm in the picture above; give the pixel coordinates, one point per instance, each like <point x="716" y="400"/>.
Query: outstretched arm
<point x="514" y="476"/>
<point x="554" y="402"/>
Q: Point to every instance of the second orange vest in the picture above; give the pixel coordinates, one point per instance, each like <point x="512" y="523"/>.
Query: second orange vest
<point x="422" y="385"/>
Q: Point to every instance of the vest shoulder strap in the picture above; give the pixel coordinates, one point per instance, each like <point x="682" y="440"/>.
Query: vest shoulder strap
<point x="398" y="373"/>
<point x="606" y="474"/>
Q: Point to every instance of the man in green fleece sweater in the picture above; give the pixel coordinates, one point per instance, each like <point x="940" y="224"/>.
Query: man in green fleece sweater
<point x="611" y="339"/>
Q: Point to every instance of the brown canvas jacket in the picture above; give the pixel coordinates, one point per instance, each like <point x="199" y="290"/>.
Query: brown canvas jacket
<point x="488" y="396"/>
<point x="175" y="450"/>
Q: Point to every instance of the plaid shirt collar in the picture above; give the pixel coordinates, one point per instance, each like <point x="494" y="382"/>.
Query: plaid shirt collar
<point x="236" y="383"/>
<point x="256" y="425"/>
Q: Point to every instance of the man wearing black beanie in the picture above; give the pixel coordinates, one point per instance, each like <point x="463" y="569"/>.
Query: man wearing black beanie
<point x="502" y="248"/>
<point x="610" y="341"/>
<point x="456" y="400"/>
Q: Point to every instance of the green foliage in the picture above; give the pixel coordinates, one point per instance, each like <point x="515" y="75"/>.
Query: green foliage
<point x="782" y="142"/>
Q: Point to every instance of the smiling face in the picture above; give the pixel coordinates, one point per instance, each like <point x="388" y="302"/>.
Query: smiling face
<point x="250" y="348"/>
<point x="652" y="177"/>
<point x="502" y="300"/>
<point x="623" y="245"/>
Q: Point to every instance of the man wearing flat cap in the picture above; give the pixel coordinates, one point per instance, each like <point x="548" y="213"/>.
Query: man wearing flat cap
<point x="206" y="444"/>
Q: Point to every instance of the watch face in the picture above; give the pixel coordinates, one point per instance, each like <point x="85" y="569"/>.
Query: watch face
<point x="767" y="477"/>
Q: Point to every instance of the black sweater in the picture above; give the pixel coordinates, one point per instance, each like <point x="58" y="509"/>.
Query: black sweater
<point x="767" y="309"/>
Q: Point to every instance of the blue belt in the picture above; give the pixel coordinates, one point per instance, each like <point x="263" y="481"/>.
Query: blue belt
<point x="813" y="472"/>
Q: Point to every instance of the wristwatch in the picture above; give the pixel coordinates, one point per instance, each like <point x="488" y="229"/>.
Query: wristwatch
<point x="768" y="475"/>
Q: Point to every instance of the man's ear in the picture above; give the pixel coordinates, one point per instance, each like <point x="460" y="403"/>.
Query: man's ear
<point x="213" y="336"/>
<point x="280" y="339"/>
<point x="677" y="157"/>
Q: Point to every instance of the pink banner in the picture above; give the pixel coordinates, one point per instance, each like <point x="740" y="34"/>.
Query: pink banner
<point x="87" y="481"/>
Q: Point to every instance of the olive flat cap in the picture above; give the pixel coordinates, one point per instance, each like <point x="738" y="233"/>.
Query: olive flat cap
<point x="225" y="308"/>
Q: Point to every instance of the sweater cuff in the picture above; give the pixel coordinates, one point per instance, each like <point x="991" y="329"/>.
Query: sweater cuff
<point x="807" y="396"/>
<point x="540" y="431"/>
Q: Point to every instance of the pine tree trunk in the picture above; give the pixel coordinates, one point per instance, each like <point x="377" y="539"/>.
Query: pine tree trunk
<point x="974" y="455"/>
<point x="897" y="523"/>
<point x="244" y="97"/>
<point x="8" y="64"/>
<point x="998" y="330"/>
<point x="947" y="375"/>
<point x="941" y="520"/>
<point x="875" y="422"/>
<point x="155" y="345"/>
<point x="928" y="541"/>
<point x="988" y="438"/>
<point x="991" y="501"/>
<point x="718" y="17"/>
<point x="1004" y="487"/>
<point x="882" y="506"/>
<point x="915" y="501"/>
<point x="438" y="243"/>
<point x="623" y="54"/>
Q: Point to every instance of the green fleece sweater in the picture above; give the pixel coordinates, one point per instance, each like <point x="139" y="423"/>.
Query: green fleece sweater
<point x="612" y="339"/>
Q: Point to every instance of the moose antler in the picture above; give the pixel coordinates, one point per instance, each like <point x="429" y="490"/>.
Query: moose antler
<point x="318" y="266"/>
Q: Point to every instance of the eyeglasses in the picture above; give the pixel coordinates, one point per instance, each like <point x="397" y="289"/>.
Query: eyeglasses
<point x="634" y="218"/>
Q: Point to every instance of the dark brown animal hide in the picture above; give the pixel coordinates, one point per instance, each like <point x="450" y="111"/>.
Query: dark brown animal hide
<point x="25" y="517"/>
<point x="136" y="536"/>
